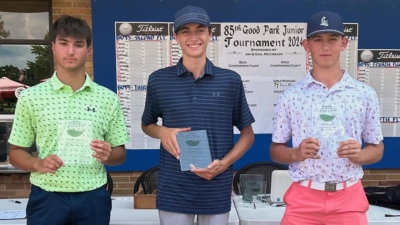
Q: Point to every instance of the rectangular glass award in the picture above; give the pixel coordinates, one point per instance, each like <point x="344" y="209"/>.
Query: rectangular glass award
<point x="329" y="127"/>
<point x="74" y="137"/>
<point x="250" y="181"/>
<point x="195" y="150"/>
<point x="252" y="190"/>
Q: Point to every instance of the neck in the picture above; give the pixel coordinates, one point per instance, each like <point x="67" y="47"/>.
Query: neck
<point x="195" y="65"/>
<point x="328" y="77"/>
<point x="74" y="79"/>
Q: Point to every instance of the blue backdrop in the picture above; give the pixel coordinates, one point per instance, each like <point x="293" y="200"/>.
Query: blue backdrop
<point x="377" y="30"/>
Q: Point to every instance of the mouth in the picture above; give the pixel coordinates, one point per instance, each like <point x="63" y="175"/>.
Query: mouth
<point x="325" y="55"/>
<point x="194" y="46"/>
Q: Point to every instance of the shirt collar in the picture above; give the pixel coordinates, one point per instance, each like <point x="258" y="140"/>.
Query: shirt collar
<point x="209" y="68"/>
<point x="346" y="80"/>
<point x="57" y="84"/>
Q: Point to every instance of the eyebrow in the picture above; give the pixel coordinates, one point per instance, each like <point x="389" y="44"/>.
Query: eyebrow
<point x="199" y="26"/>
<point x="332" y="35"/>
<point x="66" y="40"/>
<point x="62" y="39"/>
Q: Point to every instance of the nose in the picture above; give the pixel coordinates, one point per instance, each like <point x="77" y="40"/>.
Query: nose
<point x="194" y="34"/>
<point x="325" y="46"/>
<point x="70" y="49"/>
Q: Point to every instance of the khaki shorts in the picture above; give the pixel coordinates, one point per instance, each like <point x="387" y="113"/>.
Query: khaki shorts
<point x="172" y="218"/>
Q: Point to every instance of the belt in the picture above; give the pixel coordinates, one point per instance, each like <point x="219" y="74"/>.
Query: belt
<point x="330" y="187"/>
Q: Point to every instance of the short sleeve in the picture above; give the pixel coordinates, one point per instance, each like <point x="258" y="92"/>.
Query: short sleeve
<point x="282" y="131"/>
<point x="151" y="110"/>
<point x="117" y="133"/>
<point x="372" y="132"/>
<point x="242" y="116"/>
<point x="22" y="133"/>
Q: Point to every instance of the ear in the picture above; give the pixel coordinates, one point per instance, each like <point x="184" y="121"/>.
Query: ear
<point x="210" y="35"/>
<point x="345" y="42"/>
<point x="306" y="45"/>
<point x="176" y="38"/>
<point x="53" y="46"/>
<point x="89" y="51"/>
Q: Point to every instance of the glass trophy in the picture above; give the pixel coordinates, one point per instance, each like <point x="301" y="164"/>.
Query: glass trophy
<point x="252" y="190"/>
<point x="74" y="137"/>
<point x="194" y="149"/>
<point x="255" y="180"/>
<point x="329" y="127"/>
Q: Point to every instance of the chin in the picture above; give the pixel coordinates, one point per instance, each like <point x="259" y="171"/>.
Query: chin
<point x="70" y="68"/>
<point x="328" y="66"/>
<point x="196" y="54"/>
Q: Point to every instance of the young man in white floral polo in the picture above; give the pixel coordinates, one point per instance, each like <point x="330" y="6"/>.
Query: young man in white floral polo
<point x="328" y="115"/>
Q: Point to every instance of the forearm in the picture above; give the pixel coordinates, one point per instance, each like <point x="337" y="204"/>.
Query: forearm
<point x="371" y="153"/>
<point x="117" y="156"/>
<point x="245" y="141"/>
<point x="281" y="153"/>
<point x="152" y="130"/>
<point x="21" y="159"/>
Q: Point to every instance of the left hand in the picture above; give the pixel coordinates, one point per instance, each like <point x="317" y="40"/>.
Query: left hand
<point x="212" y="170"/>
<point x="102" y="150"/>
<point x="350" y="149"/>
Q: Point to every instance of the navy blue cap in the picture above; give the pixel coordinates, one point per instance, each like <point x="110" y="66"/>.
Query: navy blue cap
<point x="325" y="22"/>
<point x="191" y="14"/>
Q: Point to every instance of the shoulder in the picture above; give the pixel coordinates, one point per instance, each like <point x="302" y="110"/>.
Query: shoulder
<point x="38" y="89"/>
<point x="226" y="73"/>
<point x="294" y="90"/>
<point x="163" y="73"/>
<point x="228" y="78"/>
<point x="363" y="87"/>
<point x="102" y="91"/>
<point x="358" y="90"/>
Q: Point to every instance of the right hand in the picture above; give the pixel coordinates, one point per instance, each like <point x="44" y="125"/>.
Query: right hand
<point x="308" y="149"/>
<point x="50" y="164"/>
<point x="168" y="139"/>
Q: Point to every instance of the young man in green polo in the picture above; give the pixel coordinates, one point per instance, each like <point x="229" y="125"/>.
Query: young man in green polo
<point x="78" y="126"/>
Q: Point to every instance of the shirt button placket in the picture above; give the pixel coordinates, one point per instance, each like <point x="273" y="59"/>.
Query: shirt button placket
<point x="192" y="92"/>
<point x="70" y="105"/>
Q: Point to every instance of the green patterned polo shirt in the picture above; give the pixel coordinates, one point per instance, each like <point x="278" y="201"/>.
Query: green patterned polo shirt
<point x="41" y="107"/>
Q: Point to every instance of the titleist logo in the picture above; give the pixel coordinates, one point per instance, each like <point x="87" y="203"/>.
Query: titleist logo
<point x="388" y="55"/>
<point x="348" y="29"/>
<point x="149" y="28"/>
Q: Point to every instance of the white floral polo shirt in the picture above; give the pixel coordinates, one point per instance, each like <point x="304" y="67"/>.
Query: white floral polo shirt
<point x="348" y="110"/>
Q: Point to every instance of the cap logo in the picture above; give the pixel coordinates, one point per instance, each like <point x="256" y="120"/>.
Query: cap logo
<point x="324" y="21"/>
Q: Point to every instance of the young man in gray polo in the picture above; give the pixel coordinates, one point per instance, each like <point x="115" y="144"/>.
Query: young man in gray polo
<point x="78" y="126"/>
<point x="196" y="95"/>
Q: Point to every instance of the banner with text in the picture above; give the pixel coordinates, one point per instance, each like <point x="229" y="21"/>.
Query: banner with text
<point x="380" y="69"/>
<point x="269" y="57"/>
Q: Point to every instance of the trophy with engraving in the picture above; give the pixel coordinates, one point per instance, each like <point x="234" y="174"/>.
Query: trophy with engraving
<point x="329" y="127"/>
<point x="194" y="149"/>
<point x="74" y="137"/>
<point x="251" y="185"/>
